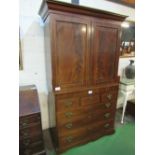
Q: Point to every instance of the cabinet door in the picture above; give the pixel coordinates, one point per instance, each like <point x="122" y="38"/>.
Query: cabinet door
<point x="105" y="50"/>
<point x="70" y="38"/>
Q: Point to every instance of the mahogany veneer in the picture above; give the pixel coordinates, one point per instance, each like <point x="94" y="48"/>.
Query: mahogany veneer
<point x="82" y="52"/>
<point x="30" y="130"/>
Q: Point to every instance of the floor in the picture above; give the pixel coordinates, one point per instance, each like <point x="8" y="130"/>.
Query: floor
<point x="120" y="143"/>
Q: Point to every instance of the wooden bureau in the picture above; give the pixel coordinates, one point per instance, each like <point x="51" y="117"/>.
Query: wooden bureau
<point x="30" y="130"/>
<point x="82" y="52"/>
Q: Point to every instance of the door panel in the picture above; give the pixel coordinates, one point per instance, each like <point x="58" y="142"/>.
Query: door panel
<point x="71" y="46"/>
<point x="104" y="52"/>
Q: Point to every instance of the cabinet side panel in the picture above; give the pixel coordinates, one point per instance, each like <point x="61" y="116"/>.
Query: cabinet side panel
<point x="48" y="57"/>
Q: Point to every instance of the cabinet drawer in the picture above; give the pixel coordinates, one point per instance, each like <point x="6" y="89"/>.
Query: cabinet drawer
<point x="103" y="115"/>
<point x="30" y="141"/>
<point x="30" y="131"/>
<point x="72" y="138"/>
<point x="29" y="120"/>
<point x="101" y="126"/>
<point x="38" y="148"/>
<point x="75" y="115"/>
<point x="91" y="99"/>
<point x="67" y="104"/>
<point x="71" y="127"/>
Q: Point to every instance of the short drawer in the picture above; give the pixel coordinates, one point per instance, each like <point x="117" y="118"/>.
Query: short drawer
<point x="30" y="131"/>
<point x="26" y="121"/>
<point x="91" y="99"/>
<point x="67" y="104"/>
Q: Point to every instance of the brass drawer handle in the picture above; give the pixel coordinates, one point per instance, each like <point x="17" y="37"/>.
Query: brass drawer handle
<point x="68" y="114"/>
<point x="69" y="139"/>
<point x="69" y="125"/>
<point x="26" y="142"/>
<point x="107" y="105"/>
<point x="107" y="115"/>
<point x="24" y="124"/>
<point x="68" y="104"/>
<point x="109" y="96"/>
<point x="25" y="134"/>
<point x="106" y="125"/>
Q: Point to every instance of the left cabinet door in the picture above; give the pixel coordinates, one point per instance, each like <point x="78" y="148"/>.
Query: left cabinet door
<point x="70" y="41"/>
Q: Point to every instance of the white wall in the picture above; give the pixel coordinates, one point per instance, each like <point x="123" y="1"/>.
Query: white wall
<point x="110" y="6"/>
<point x="32" y="35"/>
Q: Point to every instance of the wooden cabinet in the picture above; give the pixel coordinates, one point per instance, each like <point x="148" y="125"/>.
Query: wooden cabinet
<point x="82" y="52"/>
<point x="30" y="130"/>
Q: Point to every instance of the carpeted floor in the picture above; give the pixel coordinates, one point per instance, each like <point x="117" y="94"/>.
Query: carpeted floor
<point x="120" y="143"/>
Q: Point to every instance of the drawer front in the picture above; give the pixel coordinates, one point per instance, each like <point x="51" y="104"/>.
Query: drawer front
<point x="91" y="99"/>
<point x="103" y="115"/>
<point x="100" y="127"/>
<point x="73" y="116"/>
<point x="30" y="141"/>
<point x="70" y="128"/>
<point x="67" y="104"/>
<point x="30" y="131"/>
<point x="73" y="137"/>
<point x="29" y="120"/>
<point x="34" y="149"/>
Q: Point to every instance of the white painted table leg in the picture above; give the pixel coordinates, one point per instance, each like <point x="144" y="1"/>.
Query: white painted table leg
<point x="124" y="106"/>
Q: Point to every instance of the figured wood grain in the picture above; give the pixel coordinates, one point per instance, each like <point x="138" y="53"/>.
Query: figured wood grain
<point x="83" y="45"/>
<point x="70" y="48"/>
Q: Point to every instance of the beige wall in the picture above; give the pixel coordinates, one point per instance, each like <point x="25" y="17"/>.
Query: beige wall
<point x="32" y="35"/>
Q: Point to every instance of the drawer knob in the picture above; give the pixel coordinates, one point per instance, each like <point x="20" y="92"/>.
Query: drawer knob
<point x="69" y="139"/>
<point x="106" y="125"/>
<point x="107" y="105"/>
<point x="68" y="104"/>
<point x="69" y="125"/>
<point x="68" y="114"/>
<point x="109" y="96"/>
<point x="106" y="115"/>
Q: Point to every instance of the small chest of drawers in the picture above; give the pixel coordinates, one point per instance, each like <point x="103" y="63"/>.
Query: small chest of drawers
<point x="30" y="130"/>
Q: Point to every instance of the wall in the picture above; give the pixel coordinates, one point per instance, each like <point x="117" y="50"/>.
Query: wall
<point x="32" y="36"/>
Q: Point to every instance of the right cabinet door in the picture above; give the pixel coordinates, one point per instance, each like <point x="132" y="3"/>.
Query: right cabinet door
<point x="104" y="51"/>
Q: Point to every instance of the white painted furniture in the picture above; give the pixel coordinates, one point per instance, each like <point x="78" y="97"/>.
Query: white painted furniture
<point x="127" y="88"/>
